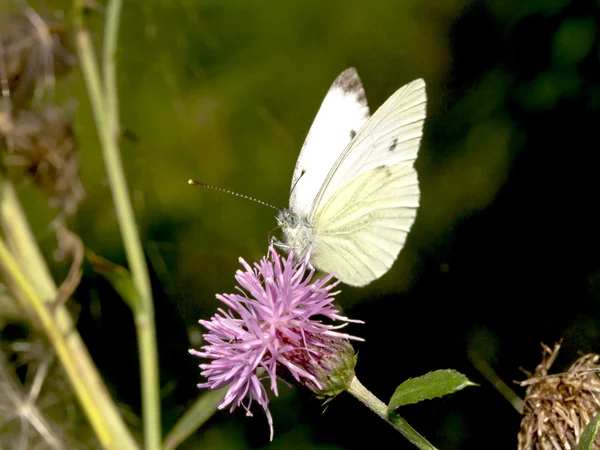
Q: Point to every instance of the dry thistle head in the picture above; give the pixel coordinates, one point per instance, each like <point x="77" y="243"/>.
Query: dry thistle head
<point x="558" y="407"/>
<point x="32" y="50"/>
<point x="42" y="144"/>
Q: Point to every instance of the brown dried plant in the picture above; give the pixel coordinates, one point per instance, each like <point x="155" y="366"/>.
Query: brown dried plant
<point x="558" y="407"/>
<point x="41" y="143"/>
<point x="39" y="140"/>
<point x="34" y="51"/>
<point x="38" y="409"/>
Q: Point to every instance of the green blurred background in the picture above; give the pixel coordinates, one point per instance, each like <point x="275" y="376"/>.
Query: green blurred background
<point x="504" y="251"/>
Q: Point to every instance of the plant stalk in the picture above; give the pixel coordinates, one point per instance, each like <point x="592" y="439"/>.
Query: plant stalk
<point x="379" y="408"/>
<point x="104" y="102"/>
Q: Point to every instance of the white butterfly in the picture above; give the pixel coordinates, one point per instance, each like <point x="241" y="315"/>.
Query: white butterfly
<point x="355" y="191"/>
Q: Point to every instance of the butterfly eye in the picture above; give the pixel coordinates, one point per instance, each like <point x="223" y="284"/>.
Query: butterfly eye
<point x="292" y="220"/>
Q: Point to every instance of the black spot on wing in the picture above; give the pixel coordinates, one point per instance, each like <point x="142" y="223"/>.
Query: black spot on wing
<point x="386" y="169"/>
<point x="352" y="134"/>
<point x="394" y="144"/>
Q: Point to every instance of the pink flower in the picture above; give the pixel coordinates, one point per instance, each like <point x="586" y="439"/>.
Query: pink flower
<point x="272" y="329"/>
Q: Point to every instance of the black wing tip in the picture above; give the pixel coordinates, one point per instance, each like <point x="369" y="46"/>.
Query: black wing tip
<point x="349" y="82"/>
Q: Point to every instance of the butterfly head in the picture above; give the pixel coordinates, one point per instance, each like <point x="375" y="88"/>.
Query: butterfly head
<point x="297" y="233"/>
<point x="286" y="218"/>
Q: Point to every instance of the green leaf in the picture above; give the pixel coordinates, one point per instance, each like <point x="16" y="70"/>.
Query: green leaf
<point x="120" y="279"/>
<point x="588" y="437"/>
<point x="434" y="384"/>
<point x="194" y="418"/>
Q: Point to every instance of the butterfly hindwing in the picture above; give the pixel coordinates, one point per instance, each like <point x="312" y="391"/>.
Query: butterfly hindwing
<point x="343" y="112"/>
<point x="362" y="227"/>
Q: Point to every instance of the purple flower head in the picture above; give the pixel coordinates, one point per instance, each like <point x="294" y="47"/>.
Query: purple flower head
<point x="272" y="329"/>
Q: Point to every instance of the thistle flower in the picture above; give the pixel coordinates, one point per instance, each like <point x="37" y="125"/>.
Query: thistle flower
<point x="272" y="330"/>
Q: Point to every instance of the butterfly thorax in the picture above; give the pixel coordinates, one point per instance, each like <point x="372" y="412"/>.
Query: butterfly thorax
<point x="297" y="232"/>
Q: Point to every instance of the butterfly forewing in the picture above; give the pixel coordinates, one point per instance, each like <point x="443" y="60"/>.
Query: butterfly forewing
<point x="343" y="112"/>
<point x="390" y="137"/>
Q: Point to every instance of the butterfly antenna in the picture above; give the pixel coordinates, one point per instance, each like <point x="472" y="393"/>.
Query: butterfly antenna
<point x="216" y="188"/>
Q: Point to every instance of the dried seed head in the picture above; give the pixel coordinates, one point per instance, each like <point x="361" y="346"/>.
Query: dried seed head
<point x="558" y="407"/>
<point x="38" y="409"/>
<point x="32" y="50"/>
<point x="42" y="144"/>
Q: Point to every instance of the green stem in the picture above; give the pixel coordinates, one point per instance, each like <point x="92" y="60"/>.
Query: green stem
<point x="194" y="417"/>
<point x="104" y="107"/>
<point x="146" y="335"/>
<point x="484" y="369"/>
<point x="111" y="34"/>
<point x="379" y="408"/>
<point x="35" y="288"/>
<point x="23" y="245"/>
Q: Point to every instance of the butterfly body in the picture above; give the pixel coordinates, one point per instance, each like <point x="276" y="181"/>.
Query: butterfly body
<point x="354" y="190"/>
<point x="297" y="231"/>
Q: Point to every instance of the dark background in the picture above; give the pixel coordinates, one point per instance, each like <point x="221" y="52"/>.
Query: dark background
<point x="504" y="251"/>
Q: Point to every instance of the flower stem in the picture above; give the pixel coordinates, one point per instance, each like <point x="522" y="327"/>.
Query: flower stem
<point x="379" y="408"/>
<point x="105" y="110"/>
<point x="111" y="34"/>
<point x="194" y="417"/>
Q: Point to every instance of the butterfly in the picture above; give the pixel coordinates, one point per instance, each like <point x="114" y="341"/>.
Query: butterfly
<point x="355" y="192"/>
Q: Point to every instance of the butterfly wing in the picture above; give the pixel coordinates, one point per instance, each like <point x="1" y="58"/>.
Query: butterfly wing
<point x="343" y="112"/>
<point x="390" y="137"/>
<point x="367" y="203"/>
